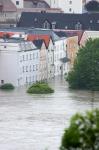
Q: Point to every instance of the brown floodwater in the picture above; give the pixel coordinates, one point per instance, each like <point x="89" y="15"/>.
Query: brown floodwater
<point x="37" y="122"/>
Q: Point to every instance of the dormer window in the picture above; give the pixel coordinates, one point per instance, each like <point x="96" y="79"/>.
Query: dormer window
<point x="66" y="27"/>
<point x="53" y="25"/>
<point x="35" y="19"/>
<point x="46" y="25"/>
<point x="78" y="26"/>
<point x="17" y="2"/>
<point x="90" y="21"/>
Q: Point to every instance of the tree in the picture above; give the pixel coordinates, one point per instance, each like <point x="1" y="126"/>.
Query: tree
<point x="83" y="132"/>
<point x="92" y="6"/>
<point x="85" y="73"/>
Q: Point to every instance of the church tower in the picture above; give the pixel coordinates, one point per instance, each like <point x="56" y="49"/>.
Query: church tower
<point x="18" y="3"/>
<point x="68" y="6"/>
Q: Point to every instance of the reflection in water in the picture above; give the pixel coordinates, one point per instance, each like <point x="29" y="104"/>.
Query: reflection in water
<point x="37" y="122"/>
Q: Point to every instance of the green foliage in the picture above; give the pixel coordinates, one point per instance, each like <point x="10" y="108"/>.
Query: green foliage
<point x="40" y="88"/>
<point x="92" y="6"/>
<point x="85" y="73"/>
<point x="7" y="86"/>
<point x="83" y="132"/>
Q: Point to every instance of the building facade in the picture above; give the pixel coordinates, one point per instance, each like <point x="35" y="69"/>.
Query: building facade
<point x="68" y="6"/>
<point x="18" y="3"/>
<point x="19" y="62"/>
<point x="72" y="49"/>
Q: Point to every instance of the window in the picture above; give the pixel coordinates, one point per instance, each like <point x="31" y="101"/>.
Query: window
<point x="37" y="55"/>
<point x="33" y="68"/>
<point x="27" y="57"/>
<point x="26" y="79"/>
<point x="17" y="2"/>
<point x="26" y="68"/>
<point x="23" y="69"/>
<point x="23" y="58"/>
<point x="46" y="25"/>
<point x="2" y="81"/>
<point x="70" y="2"/>
<point x="30" y="68"/>
<point x="90" y="21"/>
<point x="36" y="67"/>
<point x="78" y="26"/>
<point x="53" y="25"/>
<point x="30" y="57"/>
<point x="70" y="9"/>
<point x="33" y="56"/>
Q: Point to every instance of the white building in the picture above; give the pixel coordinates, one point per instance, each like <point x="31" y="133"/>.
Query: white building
<point x="68" y="6"/>
<point x="60" y="64"/>
<point x="19" y="62"/>
<point x="18" y="3"/>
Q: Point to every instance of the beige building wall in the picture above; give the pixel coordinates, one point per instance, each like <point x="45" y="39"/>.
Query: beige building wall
<point x="72" y="49"/>
<point x="43" y="63"/>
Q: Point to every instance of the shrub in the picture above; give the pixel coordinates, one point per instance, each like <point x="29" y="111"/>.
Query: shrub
<point x="7" y="86"/>
<point x="40" y="88"/>
<point x="83" y="132"/>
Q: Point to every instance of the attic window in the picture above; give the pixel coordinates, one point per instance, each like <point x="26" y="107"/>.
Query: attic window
<point x="35" y="19"/>
<point x="35" y="2"/>
<point x="78" y="26"/>
<point x="66" y="27"/>
<point x="90" y="21"/>
<point x="53" y="25"/>
<point x="46" y="25"/>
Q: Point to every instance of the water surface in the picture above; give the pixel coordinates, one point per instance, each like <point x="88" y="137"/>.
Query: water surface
<point x="37" y="122"/>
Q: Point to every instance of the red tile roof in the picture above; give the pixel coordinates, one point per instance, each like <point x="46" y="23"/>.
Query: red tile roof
<point x="46" y="38"/>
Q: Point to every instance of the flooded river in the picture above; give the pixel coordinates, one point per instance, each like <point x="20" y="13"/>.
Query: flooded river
<point x="37" y="122"/>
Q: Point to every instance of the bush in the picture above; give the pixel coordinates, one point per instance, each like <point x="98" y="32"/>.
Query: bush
<point x="83" y="132"/>
<point x="40" y="88"/>
<point x="7" y="86"/>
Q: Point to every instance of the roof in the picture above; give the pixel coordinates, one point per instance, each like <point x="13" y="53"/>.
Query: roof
<point x="44" y="32"/>
<point x="8" y="6"/>
<point x="35" y="4"/>
<point x="46" y="38"/>
<point x="38" y="43"/>
<point x="88" y="21"/>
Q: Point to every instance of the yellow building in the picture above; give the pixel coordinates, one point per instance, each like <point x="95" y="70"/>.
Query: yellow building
<point x="72" y="49"/>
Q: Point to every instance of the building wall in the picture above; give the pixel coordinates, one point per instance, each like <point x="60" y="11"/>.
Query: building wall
<point x="43" y="63"/>
<point x="60" y="52"/>
<point x="50" y="60"/>
<point x="17" y="63"/>
<point x="72" y="49"/>
<point x="68" y="6"/>
<point x="88" y="34"/>
<point x="18" y="3"/>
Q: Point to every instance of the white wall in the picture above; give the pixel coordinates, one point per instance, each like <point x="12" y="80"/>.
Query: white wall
<point x="68" y="6"/>
<point x="19" y="63"/>
<point x="21" y="3"/>
<point x="60" y="52"/>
